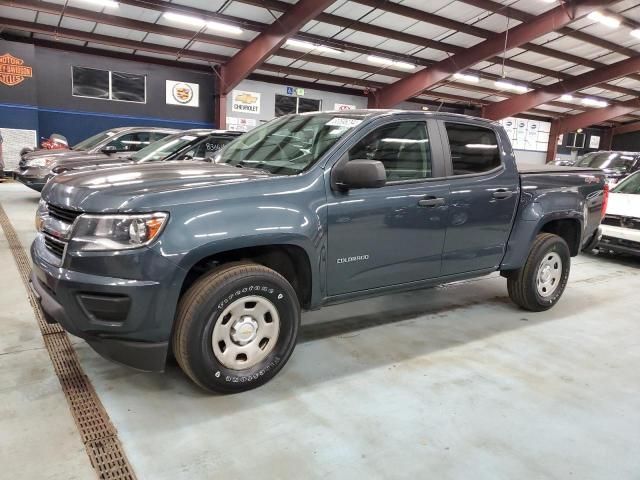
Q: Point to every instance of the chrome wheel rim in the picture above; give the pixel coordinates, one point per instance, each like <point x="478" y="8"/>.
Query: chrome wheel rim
<point x="246" y="332"/>
<point x="549" y="274"/>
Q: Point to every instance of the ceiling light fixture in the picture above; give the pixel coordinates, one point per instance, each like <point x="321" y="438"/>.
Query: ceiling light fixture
<point x="466" y="77"/>
<point x="635" y="33"/>
<point x="200" y="23"/>
<point x="388" y="62"/>
<point x="311" y="46"/>
<point x="104" y="3"/>
<point x="506" y="85"/>
<point x="607" y="20"/>
<point x="594" y="102"/>
<point x="566" y="98"/>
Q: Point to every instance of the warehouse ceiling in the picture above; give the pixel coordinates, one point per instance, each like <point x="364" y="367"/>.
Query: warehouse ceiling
<point x="361" y="44"/>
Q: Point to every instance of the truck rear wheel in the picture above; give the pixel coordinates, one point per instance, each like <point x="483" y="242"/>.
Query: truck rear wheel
<point x="540" y="283"/>
<point x="236" y="327"/>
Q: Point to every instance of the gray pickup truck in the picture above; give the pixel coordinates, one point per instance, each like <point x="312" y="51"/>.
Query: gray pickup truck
<point x="215" y="262"/>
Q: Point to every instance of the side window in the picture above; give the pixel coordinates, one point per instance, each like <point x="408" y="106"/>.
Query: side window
<point x="155" y="136"/>
<point x="473" y="149"/>
<point x="402" y="147"/>
<point x="130" y="142"/>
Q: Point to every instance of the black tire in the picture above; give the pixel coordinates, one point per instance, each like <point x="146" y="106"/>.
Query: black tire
<point x="200" y="310"/>
<point x="522" y="284"/>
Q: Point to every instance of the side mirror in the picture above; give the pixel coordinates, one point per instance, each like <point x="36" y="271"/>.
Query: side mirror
<point x="109" y="149"/>
<point x="361" y="174"/>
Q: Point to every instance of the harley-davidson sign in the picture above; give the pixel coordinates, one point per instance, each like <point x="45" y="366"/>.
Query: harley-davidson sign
<point x="13" y="70"/>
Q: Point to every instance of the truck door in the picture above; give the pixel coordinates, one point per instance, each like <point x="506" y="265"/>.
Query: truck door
<point x="394" y="234"/>
<point x="483" y="198"/>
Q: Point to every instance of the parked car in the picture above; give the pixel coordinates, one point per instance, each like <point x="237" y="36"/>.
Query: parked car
<point x="197" y="144"/>
<point x="621" y="224"/>
<point x="219" y="258"/>
<point x="34" y="169"/>
<point x="615" y="165"/>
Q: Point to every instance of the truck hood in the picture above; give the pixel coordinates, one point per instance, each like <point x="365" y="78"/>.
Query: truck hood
<point x="141" y="186"/>
<point x="73" y="161"/>
<point x="624" y="205"/>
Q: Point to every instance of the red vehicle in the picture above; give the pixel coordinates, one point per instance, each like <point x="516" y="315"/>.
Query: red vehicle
<point x="54" y="142"/>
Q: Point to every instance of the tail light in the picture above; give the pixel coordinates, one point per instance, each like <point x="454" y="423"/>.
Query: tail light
<point x="605" y="200"/>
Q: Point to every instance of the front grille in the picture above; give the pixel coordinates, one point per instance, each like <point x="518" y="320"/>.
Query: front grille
<point x="54" y="245"/>
<point x="63" y="214"/>
<point x="625" y="222"/>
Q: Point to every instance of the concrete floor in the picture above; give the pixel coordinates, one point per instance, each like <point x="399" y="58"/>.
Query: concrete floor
<point x="448" y="383"/>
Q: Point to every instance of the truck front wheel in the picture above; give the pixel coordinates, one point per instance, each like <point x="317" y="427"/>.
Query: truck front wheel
<point x="539" y="284"/>
<point x="236" y="327"/>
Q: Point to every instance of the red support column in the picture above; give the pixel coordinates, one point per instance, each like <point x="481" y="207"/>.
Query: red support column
<point x="606" y="140"/>
<point x="552" y="146"/>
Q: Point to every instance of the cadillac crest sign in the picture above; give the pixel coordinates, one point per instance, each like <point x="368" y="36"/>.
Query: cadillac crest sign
<point x="13" y="70"/>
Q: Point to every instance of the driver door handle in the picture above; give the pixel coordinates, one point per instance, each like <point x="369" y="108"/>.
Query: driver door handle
<point x="431" y="202"/>
<point x="502" y="194"/>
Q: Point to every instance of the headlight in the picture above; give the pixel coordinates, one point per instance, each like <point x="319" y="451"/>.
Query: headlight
<point x="40" y="214"/>
<point x="116" y="232"/>
<point x="40" y="162"/>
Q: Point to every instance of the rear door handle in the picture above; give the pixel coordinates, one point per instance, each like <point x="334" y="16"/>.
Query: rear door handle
<point x="431" y="202"/>
<point x="502" y="194"/>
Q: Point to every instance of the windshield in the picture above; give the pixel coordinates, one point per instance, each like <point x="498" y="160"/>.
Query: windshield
<point x="629" y="185"/>
<point x="608" y="160"/>
<point x="289" y="145"/>
<point x="163" y="148"/>
<point x="93" y="141"/>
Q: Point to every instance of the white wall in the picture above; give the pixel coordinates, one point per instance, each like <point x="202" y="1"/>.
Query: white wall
<point x="530" y="157"/>
<point x="268" y="93"/>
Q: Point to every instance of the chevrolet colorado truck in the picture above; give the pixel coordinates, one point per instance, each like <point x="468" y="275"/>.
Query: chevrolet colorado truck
<point x="214" y="262"/>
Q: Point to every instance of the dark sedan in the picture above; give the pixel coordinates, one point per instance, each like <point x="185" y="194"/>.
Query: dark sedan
<point x="35" y="168"/>
<point x="197" y="144"/>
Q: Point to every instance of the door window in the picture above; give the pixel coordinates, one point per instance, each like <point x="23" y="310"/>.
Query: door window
<point x="403" y="148"/>
<point x="474" y="149"/>
<point x="131" y="142"/>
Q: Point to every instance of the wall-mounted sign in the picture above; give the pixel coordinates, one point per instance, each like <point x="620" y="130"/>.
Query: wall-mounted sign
<point x="13" y="70"/>
<point x="241" y="124"/>
<point x="245" y="102"/>
<point x="527" y="134"/>
<point x="594" y="141"/>
<point x="343" y="106"/>
<point x="182" y="93"/>
<point x="299" y="92"/>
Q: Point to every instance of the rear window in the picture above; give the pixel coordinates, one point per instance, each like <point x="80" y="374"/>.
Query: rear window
<point x="474" y="149"/>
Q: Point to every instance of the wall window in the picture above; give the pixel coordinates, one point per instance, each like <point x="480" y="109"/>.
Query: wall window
<point x="402" y="147"/>
<point x="473" y="149"/>
<point x="286" y="104"/>
<point x="94" y="83"/>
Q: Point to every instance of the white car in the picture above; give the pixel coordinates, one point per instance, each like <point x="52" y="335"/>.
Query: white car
<point x="621" y="225"/>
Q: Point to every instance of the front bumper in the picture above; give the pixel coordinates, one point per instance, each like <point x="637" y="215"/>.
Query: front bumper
<point x="620" y="239"/>
<point x="34" y="180"/>
<point x="127" y="321"/>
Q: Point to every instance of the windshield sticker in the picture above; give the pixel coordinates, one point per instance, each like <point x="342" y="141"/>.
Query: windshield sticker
<point x="344" y="122"/>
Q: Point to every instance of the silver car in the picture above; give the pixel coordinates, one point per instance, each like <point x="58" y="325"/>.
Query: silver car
<point x="35" y="168"/>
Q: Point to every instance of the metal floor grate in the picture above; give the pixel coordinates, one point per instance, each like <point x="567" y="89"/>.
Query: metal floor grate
<point x="98" y="434"/>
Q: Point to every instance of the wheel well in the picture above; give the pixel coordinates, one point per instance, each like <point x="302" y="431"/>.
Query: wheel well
<point x="568" y="229"/>
<point x="289" y="261"/>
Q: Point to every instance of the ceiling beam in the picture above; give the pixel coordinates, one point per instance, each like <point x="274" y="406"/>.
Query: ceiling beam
<point x="537" y="97"/>
<point x="444" y="22"/>
<point x="523" y="33"/>
<point x="160" y="6"/>
<point x="280" y="6"/>
<point x="522" y="16"/>
<point x="268" y="42"/>
<point x="627" y="128"/>
<point x="570" y="124"/>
